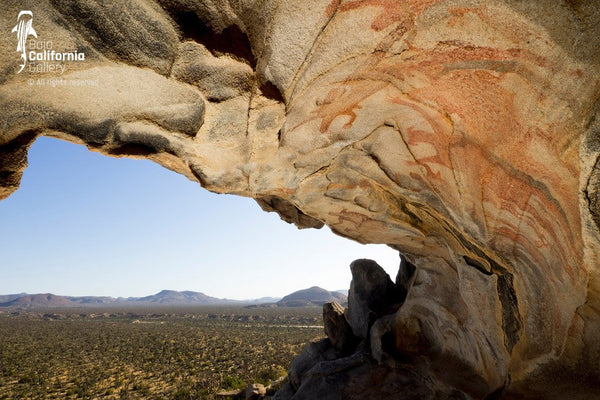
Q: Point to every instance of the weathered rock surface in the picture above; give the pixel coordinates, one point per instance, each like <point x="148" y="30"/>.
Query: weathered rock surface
<point x="389" y="351"/>
<point x="256" y="391"/>
<point x="372" y="294"/>
<point x="338" y="329"/>
<point x="359" y="377"/>
<point x="463" y="133"/>
<point x="312" y="354"/>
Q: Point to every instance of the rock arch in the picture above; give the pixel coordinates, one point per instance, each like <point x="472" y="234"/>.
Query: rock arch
<point x="462" y="133"/>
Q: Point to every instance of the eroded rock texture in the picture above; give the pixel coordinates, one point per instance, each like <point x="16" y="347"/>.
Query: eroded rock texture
<point x="359" y="359"/>
<point x="461" y="132"/>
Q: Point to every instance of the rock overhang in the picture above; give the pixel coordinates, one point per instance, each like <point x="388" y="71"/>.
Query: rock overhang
<point x="463" y="134"/>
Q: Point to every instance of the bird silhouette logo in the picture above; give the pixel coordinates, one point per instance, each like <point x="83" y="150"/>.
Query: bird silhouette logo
<point x="24" y="29"/>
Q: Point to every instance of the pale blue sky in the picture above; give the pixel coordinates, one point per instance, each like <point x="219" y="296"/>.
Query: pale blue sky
<point x="86" y="224"/>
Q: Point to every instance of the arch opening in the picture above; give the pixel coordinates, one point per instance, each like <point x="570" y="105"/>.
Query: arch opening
<point x="85" y="224"/>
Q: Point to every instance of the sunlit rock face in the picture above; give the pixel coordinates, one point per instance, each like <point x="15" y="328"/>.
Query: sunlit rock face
<point x="462" y="133"/>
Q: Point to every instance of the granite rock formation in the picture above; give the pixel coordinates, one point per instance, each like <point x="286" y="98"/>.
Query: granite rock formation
<point x="366" y="365"/>
<point x="372" y="294"/>
<point x="463" y="133"/>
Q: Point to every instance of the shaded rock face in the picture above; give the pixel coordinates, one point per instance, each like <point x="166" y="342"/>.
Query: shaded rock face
<point x="338" y="330"/>
<point x="372" y="294"/>
<point x="359" y="377"/>
<point x="366" y="366"/>
<point x="463" y="133"/>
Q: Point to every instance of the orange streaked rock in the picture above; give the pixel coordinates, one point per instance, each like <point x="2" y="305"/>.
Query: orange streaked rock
<point x="464" y="134"/>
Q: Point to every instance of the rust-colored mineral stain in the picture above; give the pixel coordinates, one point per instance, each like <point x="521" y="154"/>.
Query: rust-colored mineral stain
<point x="332" y="7"/>
<point x="462" y="11"/>
<point x="353" y="218"/>
<point x="445" y="59"/>
<point x="464" y="85"/>
<point x="522" y="198"/>
<point x="343" y="100"/>
<point x="403" y="12"/>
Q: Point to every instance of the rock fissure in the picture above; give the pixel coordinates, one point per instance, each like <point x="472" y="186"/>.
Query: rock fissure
<point x="308" y="55"/>
<point x="592" y="185"/>
<point x="231" y="41"/>
<point x="512" y="322"/>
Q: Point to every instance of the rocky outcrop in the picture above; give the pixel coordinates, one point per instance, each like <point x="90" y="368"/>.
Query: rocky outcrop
<point x="256" y="391"/>
<point x="463" y="133"/>
<point x="369" y="366"/>
<point x="359" y="377"/>
<point x="338" y="330"/>
<point x="372" y="294"/>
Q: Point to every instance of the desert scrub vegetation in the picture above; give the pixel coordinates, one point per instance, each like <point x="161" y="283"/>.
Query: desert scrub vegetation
<point x="161" y="353"/>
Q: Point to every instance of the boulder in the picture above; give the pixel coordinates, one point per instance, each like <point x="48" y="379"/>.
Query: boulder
<point x="359" y="377"/>
<point x="285" y="393"/>
<point x="337" y="328"/>
<point x="312" y="354"/>
<point x="372" y="294"/>
<point x="383" y="338"/>
<point x="255" y="391"/>
<point x="405" y="276"/>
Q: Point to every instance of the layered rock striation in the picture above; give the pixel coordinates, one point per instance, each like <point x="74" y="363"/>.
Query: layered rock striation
<point x="462" y="133"/>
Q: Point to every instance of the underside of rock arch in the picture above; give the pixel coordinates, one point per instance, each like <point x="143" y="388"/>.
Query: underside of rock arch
<point x="462" y="133"/>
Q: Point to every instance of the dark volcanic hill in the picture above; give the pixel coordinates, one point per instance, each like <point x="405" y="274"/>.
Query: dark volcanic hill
<point x="39" y="300"/>
<point x="314" y="296"/>
<point x="181" y="298"/>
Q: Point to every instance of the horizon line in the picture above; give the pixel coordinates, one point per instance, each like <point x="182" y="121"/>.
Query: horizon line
<point x="162" y="290"/>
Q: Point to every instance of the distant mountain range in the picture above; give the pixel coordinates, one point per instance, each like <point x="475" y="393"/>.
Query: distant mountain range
<point x="164" y="298"/>
<point x="313" y="296"/>
<point x="9" y="297"/>
<point x="38" y="300"/>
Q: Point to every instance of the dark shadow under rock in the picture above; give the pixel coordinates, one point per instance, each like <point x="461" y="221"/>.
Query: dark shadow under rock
<point x="360" y="377"/>
<point x="337" y="329"/>
<point x="372" y="295"/>
<point x="313" y="353"/>
<point x="405" y="276"/>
